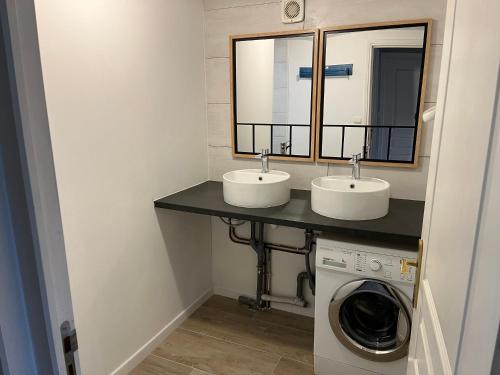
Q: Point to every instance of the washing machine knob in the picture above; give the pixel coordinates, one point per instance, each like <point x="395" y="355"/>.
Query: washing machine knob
<point x="375" y="265"/>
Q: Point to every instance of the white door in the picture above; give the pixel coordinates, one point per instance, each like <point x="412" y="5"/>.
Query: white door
<point x="456" y="320"/>
<point x="47" y="256"/>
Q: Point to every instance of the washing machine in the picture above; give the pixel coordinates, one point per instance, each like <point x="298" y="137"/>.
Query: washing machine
<point x="363" y="307"/>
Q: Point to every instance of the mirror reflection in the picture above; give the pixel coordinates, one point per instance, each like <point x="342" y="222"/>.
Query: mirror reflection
<point x="273" y="94"/>
<point x="371" y="90"/>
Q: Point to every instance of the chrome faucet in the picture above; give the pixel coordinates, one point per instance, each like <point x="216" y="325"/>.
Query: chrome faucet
<point x="284" y="146"/>
<point x="356" y="168"/>
<point x="264" y="158"/>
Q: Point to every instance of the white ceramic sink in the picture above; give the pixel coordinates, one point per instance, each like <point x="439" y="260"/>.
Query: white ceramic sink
<point x="253" y="189"/>
<point x="342" y="197"/>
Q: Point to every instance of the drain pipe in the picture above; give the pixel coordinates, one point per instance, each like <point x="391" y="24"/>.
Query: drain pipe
<point x="301" y="277"/>
<point x="235" y="238"/>
<point x="310" y="276"/>
<point x="288" y="300"/>
<point x="256" y="242"/>
<point x="268" y="278"/>
<point x="306" y="249"/>
<point x="263" y="250"/>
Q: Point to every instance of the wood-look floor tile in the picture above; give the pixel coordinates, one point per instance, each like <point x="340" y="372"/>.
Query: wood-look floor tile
<point x="286" y="319"/>
<point x="260" y="335"/>
<point x="228" y="305"/>
<point x="154" y="365"/>
<point x="289" y="367"/>
<point x="199" y="372"/>
<point x="215" y="356"/>
<point x="278" y="317"/>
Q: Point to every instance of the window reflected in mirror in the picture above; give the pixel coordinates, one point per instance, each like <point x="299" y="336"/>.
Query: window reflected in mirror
<point x="371" y="92"/>
<point x="273" y="94"/>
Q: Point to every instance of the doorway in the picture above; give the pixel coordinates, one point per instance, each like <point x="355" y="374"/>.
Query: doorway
<point x="394" y="102"/>
<point x="22" y="319"/>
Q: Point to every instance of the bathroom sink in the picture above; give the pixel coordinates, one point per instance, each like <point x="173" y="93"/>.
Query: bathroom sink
<point x="342" y="197"/>
<point x="251" y="188"/>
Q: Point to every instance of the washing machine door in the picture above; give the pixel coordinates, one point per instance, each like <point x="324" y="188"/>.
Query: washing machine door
<point x="372" y="319"/>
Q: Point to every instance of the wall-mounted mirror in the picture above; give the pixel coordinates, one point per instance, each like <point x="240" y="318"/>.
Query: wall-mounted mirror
<point x="273" y="82"/>
<point x="371" y="92"/>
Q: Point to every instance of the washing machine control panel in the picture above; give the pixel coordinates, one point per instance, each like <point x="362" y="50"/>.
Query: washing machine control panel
<point x="368" y="264"/>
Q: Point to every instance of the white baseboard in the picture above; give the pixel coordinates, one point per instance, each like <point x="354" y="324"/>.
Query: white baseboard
<point x="140" y="355"/>
<point x="306" y="311"/>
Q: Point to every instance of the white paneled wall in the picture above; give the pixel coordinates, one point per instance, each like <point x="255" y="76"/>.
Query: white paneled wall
<point x="234" y="265"/>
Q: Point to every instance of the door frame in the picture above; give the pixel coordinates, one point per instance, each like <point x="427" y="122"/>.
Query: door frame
<point x="18" y="20"/>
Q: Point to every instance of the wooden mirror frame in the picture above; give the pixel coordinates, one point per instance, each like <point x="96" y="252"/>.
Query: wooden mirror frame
<point x="424" y="75"/>
<point x="314" y="79"/>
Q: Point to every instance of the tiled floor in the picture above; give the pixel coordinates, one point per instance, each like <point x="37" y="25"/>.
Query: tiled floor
<point x="224" y="338"/>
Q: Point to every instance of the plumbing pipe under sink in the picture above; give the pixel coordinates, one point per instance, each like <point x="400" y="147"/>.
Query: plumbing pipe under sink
<point x="288" y="300"/>
<point x="263" y="250"/>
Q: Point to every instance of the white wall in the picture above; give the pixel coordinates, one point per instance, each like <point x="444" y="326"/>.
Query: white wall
<point x="299" y="92"/>
<point x="254" y="88"/>
<point x="124" y="83"/>
<point x="254" y="80"/>
<point x="299" y="54"/>
<point x="225" y="17"/>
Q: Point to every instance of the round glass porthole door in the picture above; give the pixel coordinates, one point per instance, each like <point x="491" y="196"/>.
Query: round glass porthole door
<point x="372" y="319"/>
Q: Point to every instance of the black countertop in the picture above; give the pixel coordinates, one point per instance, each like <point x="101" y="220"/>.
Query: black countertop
<point x="402" y="224"/>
